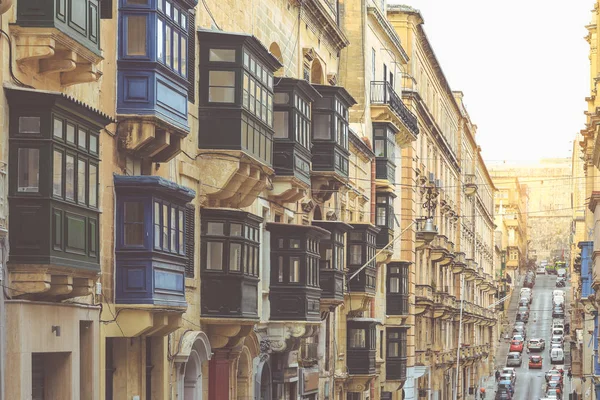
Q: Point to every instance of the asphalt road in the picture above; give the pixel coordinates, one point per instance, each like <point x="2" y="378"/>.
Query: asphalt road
<point x="531" y="383"/>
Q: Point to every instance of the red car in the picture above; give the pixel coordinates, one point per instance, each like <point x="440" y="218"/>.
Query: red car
<point x="535" y="362"/>
<point x="516" y="345"/>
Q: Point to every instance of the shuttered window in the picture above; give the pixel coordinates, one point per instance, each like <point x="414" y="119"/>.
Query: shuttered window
<point x="191" y="54"/>
<point x="190" y="220"/>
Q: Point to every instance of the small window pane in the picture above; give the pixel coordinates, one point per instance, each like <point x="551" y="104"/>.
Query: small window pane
<point x="183" y="56"/>
<point x="82" y="138"/>
<point x="94" y="144"/>
<point x="29" y="124"/>
<point x="58" y="128"/>
<point x="235" y="256"/>
<point x="214" y="228"/>
<point x="394" y="285"/>
<point x="236" y="230"/>
<point x="173" y="230"/>
<point x="221" y="86"/>
<point x="70" y="133"/>
<point x="134" y="223"/>
<point x="157" y="225"/>
<point x="136" y="35"/>
<point x="221" y="55"/>
<point x="280" y="270"/>
<point x="165" y="227"/>
<point x="357" y="338"/>
<point x="70" y="178"/>
<point x="282" y="98"/>
<point x="168" y="60"/>
<point x="294" y="244"/>
<point x="181" y="231"/>
<point x="322" y="126"/>
<point x="175" y="51"/>
<point x="281" y="124"/>
<point x="93" y="186"/>
<point x="160" y="41"/>
<point x="294" y="269"/>
<point x="57" y="174"/>
<point x="214" y="255"/>
<point x="81" y="181"/>
<point x="393" y="349"/>
<point x="355" y="254"/>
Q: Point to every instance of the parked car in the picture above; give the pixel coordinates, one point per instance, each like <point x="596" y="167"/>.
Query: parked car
<point x="554" y="372"/>
<point x="514" y="359"/>
<point x="558" y="293"/>
<point x="507" y="385"/>
<point x="535" y="362"/>
<point x="516" y="345"/>
<point x="508" y="377"/>
<point x="536" y="345"/>
<point x="540" y="270"/>
<point x="558" y="301"/>
<point x="511" y="371"/>
<point x="561" y="273"/>
<point x="518" y="337"/>
<point x="524" y="302"/>
<point x="555" y="382"/>
<point x="520" y="330"/>
<point x="557" y="312"/>
<point x="557" y="356"/>
<point x="528" y="283"/>
<point x="553" y="394"/>
<point x="558" y="331"/>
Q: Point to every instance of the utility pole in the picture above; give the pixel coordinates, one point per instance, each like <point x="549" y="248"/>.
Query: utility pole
<point x="462" y="300"/>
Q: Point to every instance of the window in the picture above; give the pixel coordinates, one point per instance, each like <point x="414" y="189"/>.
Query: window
<point x="236" y="243"/>
<point x="93" y="186"/>
<point x="356" y="254"/>
<point x="133" y="224"/>
<point x="136" y="35"/>
<point x="70" y="178"/>
<point x="57" y="174"/>
<point x="29" y="170"/>
<point x="29" y="124"/>
<point x="396" y="343"/>
<point x="221" y="86"/>
<point x="294" y="270"/>
<point x="81" y="181"/>
<point x="58" y="128"/>
<point x="357" y="338"/>
<point x="221" y="55"/>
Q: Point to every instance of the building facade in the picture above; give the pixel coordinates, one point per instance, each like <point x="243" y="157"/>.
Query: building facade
<point x="223" y="200"/>
<point x="456" y="270"/>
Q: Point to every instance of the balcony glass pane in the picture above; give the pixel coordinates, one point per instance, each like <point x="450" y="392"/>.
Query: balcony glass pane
<point x="181" y="228"/>
<point x="394" y="285"/>
<point x="58" y="128"/>
<point x="136" y="35"/>
<point x="380" y="148"/>
<point x="70" y="178"/>
<point x="165" y="227"/>
<point x="173" y="229"/>
<point x="214" y="255"/>
<point x="160" y="41"/>
<point x="157" y="225"/>
<point x="294" y="269"/>
<point x="93" y="186"/>
<point x="81" y="181"/>
<point x="280" y="269"/>
<point x="221" y="87"/>
<point x="221" y="55"/>
<point x="235" y="256"/>
<point x="357" y="338"/>
<point x="322" y="126"/>
<point x="236" y="230"/>
<point x="215" y="228"/>
<point x="82" y="138"/>
<point x="133" y="232"/>
<point x="281" y="124"/>
<point x="393" y="349"/>
<point x="70" y="133"/>
<point x="57" y="177"/>
<point x="339" y="262"/>
<point x="356" y="254"/>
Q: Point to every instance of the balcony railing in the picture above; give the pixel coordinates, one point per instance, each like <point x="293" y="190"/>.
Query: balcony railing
<point x="383" y="93"/>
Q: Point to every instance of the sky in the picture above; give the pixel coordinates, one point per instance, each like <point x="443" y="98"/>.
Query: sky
<point x="523" y="67"/>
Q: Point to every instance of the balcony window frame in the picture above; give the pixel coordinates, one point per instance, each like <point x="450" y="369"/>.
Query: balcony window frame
<point x="249" y="242"/>
<point x="363" y="235"/>
<point x="384" y="206"/>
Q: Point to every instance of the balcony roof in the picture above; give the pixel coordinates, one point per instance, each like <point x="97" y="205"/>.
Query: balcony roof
<point x="33" y="97"/>
<point x="306" y="88"/>
<point x="154" y="183"/>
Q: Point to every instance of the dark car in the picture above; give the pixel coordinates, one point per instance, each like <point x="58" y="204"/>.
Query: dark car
<point x="558" y="312"/>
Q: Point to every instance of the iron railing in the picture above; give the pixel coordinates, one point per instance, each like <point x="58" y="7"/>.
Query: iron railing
<point x="384" y="93"/>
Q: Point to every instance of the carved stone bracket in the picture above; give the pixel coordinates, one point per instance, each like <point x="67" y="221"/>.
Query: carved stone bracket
<point x="282" y="336"/>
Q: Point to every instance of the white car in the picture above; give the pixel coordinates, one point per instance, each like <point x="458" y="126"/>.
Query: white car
<point x="557" y="339"/>
<point x="558" y="293"/>
<point x="541" y="271"/>
<point x="557" y="356"/>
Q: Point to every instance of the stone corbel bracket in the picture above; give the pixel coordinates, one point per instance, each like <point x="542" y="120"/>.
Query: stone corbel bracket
<point x="277" y="337"/>
<point x="51" y="51"/>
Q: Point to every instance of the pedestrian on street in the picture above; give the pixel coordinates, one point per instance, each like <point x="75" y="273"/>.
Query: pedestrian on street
<point x="569" y="374"/>
<point x="497" y="375"/>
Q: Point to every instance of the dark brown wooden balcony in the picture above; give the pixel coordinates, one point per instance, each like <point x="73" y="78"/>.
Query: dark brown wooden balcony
<point x="333" y="262"/>
<point x="362" y="345"/>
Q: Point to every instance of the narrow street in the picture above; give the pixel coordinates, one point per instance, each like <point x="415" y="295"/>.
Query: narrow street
<point x="530" y="383"/>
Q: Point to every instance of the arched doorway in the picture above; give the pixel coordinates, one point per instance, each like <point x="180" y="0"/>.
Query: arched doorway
<point x="192" y="377"/>
<point x="244" y="368"/>
<point x="194" y="351"/>
<point x="263" y="389"/>
<point x="276" y="52"/>
<point x="316" y="72"/>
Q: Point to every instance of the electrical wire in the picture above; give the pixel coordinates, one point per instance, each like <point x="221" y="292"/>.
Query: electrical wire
<point x="211" y="15"/>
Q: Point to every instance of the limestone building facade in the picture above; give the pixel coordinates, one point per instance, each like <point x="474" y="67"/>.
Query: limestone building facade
<point x="223" y="200"/>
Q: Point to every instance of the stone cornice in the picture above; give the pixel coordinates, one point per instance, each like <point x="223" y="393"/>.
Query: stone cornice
<point x="320" y="22"/>
<point x="385" y="25"/>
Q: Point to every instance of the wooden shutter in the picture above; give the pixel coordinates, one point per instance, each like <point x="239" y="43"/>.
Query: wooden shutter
<point x="190" y="222"/>
<point x="191" y="54"/>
